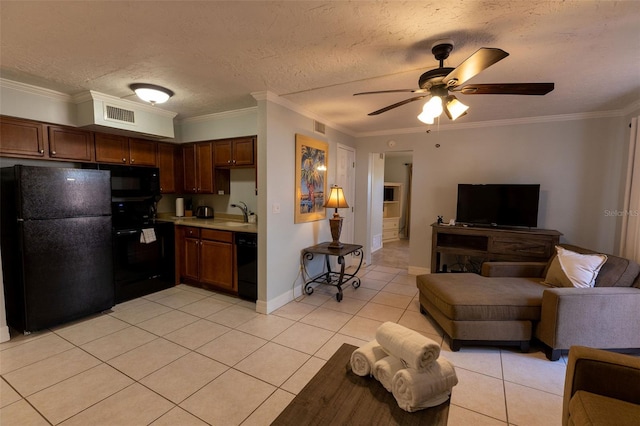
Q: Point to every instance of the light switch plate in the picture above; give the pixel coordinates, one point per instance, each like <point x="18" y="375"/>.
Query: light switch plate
<point x="275" y="208"/>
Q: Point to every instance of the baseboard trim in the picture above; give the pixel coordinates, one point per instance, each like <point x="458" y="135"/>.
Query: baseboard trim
<point x="5" y="336"/>
<point x="279" y="301"/>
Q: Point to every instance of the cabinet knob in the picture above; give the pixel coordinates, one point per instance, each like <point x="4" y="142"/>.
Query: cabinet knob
<point x="42" y="151"/>
<point x="124" y="160"/>
<point x="133" y="160"/>
<point x="228" y="161"/>
<point x="194" y="190"/>
<point x="53" y="153"/>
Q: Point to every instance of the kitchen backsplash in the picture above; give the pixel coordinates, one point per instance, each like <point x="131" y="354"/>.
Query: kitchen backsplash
<point x="243" y="186"/>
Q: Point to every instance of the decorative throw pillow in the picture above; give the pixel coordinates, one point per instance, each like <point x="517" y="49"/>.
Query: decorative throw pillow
<point x="571" y="269"/>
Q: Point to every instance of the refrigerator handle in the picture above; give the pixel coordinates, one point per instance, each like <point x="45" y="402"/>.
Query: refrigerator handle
<point x="131" y="232"/>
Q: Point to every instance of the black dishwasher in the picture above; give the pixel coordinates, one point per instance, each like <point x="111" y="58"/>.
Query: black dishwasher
<point x="247" y="265"/>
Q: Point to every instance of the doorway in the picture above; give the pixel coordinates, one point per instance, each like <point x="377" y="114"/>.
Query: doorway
<point x="398" y="172"/>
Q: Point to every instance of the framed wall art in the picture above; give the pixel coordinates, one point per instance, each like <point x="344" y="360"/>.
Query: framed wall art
<point x="311" y="179"/>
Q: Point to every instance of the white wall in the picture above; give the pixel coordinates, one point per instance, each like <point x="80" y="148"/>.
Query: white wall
<point x="579" y="164"/>
<point x="281" y="240"/>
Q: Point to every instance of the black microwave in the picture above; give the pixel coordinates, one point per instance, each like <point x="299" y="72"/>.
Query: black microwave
<point x="130" y="183"/>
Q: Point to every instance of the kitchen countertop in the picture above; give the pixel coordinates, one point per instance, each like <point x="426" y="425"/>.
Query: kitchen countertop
<point x="229" y="223"/>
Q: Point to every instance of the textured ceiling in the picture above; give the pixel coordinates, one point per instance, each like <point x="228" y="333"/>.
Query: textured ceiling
<point x="213" y="54"/>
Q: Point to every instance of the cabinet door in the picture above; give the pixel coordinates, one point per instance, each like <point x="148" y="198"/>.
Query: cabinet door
<point x="204" y="161"/>
<point x="216" y="264"/>
<point x="189" y="172"/>
<point x="191" y="258"/>
<point x="167" y="165"/>
<point x="142" y="152"/>
<point x="222" y="153"/>
<point x="111" y="149"/>
<point x="70" y="144"/>
<point x="21" y="138"/>
<point x="243" y="152"/>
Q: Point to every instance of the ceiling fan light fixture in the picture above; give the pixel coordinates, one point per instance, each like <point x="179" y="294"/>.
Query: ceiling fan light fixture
<point x="426" y="118"/>
<point x="454" y="108"/>
<point x="431" y="110"/>
<point x="151" y="93"/>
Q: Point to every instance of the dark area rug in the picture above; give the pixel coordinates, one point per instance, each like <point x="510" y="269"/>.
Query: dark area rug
<point x="337" y="396"/>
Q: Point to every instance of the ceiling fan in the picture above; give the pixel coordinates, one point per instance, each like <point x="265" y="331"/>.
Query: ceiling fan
<point x="438" y="82"/>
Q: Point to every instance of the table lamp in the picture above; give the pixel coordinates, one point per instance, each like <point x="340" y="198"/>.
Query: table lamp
<point x="336" y="201"/>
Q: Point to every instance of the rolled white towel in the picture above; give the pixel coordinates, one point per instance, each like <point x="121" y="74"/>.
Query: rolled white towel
<point x="385" y="368"/>
<point x="363" y="358"/>
<point x="414" y="390"/>
<point x="416" y="350"/>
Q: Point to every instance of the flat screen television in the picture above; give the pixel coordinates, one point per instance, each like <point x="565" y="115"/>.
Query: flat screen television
<point x="509" y="205"/>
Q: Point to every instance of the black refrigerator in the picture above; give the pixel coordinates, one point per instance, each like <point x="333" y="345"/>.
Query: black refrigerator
<point x="56" y="244"/>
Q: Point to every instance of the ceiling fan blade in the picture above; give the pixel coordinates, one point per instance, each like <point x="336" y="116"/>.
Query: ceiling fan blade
<point x="397" y="104"/>
<point x="393" y="91"/>
<point x="507" y="89"/>
<point x="482" y="59"/>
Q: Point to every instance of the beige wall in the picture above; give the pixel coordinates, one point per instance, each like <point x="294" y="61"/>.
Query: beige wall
<point x="579" y="163"/>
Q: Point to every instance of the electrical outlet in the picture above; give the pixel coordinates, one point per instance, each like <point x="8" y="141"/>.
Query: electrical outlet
<point x="275" y="208"/>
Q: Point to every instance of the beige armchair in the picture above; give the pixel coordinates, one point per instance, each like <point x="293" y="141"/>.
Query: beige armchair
<point x="601" y="388"/>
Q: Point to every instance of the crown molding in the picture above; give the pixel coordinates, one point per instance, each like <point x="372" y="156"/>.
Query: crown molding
<point x="82" y="97"/>
<point x="508" y="122"/>
<point x="35" y="90"/>
<point x="219" y="115"/>
<point x="272" y="97"/>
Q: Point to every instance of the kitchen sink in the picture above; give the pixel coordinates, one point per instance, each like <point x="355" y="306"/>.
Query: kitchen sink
<point x="234" y="224"/>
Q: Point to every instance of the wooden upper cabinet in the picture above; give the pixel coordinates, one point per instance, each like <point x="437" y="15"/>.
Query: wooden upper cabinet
<point x="204" y="157"/>
<point x="67" y="143"/>
<point x="21" y="138"/>
<point x="142" y="152"/>
<point x="197" y="159"/>
<point x="189" y="168"/>
<point x="111" y="148"/>
<point x="118" y="149"/>
<point x="238" y="152"/>
<point x="244" y="152"/>
<point x="167" y="160"/>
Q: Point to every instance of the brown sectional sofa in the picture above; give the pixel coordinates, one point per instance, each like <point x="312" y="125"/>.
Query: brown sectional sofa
<point x="508" y="304"/>
<point x="601" y="388"/>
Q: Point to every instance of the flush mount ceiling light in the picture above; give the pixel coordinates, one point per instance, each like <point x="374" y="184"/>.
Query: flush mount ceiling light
<point x="151" y="93"/>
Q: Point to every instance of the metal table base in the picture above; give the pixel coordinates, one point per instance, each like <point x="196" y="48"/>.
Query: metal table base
<point x="330" y="277"/>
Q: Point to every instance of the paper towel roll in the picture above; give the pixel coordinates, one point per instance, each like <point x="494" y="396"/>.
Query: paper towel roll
<point x="179" y="207"/>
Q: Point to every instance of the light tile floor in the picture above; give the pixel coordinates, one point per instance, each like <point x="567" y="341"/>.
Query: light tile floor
<point x="186" y="356"/>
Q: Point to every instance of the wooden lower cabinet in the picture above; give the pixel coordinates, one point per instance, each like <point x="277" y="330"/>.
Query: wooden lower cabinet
<point x="206" y="257"/>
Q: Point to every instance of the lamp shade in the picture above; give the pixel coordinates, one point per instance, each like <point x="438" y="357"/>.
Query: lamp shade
<point x="151" y="93"/>
<point x="336" y="199"/>
<point x="454" y="108"/>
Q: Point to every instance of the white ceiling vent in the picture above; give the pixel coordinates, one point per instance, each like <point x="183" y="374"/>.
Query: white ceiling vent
<point x="319" y="127"/>
<point x="119" y="114"/>
<point x="98" y="111"/>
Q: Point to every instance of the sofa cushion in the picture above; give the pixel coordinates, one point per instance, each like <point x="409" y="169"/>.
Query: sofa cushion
<point x="616" y="271"/>
<point x="572" y="269"/>
<point x="471" y="297"/>
<point x="586" y="408"/>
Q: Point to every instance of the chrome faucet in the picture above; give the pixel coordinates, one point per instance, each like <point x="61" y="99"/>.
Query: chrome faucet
<point x="244" y="208"/>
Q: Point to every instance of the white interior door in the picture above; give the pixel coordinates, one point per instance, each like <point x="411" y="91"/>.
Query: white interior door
<point x="346" y="178"/>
